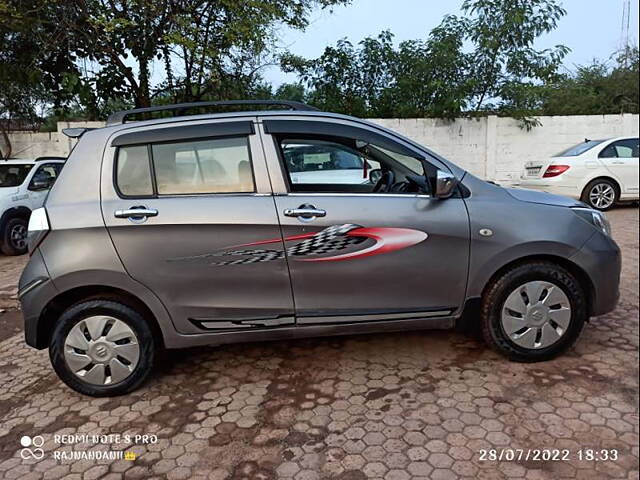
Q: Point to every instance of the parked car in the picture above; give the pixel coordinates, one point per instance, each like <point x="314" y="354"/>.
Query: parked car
<point x="24" y="185"/>
<point x="598" y="172"/>
<point x="184" y="231"/>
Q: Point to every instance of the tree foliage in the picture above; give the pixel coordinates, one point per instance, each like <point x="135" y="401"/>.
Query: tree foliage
<point x="86" y="58"/>
<point x="484" y="60"/>
<point x="599" y="88"/>
<point x="115" y="49"/>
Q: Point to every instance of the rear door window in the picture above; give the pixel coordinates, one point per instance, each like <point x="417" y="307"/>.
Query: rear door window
<point x="133" y="172"/>
<point x="621" y="149"/>
<point x="220" y="165"/>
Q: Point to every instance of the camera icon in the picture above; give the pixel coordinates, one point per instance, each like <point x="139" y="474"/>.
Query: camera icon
<point x="31" y="447"/>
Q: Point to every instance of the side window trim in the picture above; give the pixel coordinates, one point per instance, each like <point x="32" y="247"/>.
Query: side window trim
<point x="152" y="171"/>
<point x="185" y="132"/>
<point x="330" y="129"/>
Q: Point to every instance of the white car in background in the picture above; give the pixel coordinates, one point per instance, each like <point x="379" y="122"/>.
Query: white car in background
<point x="598" y="172"/>
<point x="24" y="185"/>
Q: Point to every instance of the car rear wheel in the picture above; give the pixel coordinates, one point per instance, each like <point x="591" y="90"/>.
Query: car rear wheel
<point x="14" y="237"/>
<point x="102" y="348"/>
<point x="601" y="194"/>
<point x="533" y="312"/>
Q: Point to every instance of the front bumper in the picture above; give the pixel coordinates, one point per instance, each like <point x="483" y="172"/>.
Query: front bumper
<point x="550" y="185"/>
<point x="600" y="258"/>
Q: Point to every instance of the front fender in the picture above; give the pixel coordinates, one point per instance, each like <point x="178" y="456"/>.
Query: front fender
<point x="486" y="266"/>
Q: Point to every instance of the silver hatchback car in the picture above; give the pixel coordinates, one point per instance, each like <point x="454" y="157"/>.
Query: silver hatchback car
<point x="256" y="225"/>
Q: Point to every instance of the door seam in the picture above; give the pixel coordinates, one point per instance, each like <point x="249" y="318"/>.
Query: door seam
<point x="275" y="207"/>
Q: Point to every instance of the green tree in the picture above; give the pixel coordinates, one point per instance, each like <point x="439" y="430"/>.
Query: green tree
<point x="374" y="79"/>
<point x="196" y="49"/>
<point x="25" y="83"/>
<point x="504" y="64"/>
<point x="597" y="88"/>
<point x="482" y="61"/>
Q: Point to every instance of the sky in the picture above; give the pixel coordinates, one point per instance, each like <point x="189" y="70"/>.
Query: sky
<point x="591" y="28"/>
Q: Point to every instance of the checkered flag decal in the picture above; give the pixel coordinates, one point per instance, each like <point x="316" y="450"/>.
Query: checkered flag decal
<point x="326" y="241"/>
<point x="329" y="240"/>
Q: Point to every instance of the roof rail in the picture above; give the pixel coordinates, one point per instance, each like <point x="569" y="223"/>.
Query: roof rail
<point x="49" y="157"/>
<point x="120" y="117"/>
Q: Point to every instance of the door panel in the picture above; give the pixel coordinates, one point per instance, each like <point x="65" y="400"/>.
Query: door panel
<point x="356" y="256"/>
<point x="181" y="254"/>
<point x="376" y="254"/>
<point x="187" y="252"/>
<point x="621" y="159"/>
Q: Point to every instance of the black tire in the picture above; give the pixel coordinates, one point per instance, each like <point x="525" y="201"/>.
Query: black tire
<point x="499" y="289"/>
<point x="128" y="315"/>
<point x="586" y="197"/>
<point x="10" y="244"/>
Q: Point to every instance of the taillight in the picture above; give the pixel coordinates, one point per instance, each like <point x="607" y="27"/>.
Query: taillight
<point x="38" y="228"/>
<point x="555" y="170"/>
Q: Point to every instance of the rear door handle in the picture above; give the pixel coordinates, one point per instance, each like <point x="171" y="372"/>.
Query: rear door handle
<point x="137" y="214"/>
<point x="305" y="212"/>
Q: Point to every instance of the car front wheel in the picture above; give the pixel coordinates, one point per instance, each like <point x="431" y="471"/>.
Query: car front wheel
<point x="14" y="237"/>
<point x="533" y="312"/>
<point x="102" y="348"/>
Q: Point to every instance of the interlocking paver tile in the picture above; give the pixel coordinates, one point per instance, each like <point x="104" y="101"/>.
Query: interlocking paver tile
<point x="417" y="405"/>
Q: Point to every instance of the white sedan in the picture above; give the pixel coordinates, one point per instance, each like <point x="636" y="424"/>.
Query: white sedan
<point x="598" y="172"/>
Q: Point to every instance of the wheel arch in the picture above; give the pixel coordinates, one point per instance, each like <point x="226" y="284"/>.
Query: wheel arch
<point x="580" y="275"/>
<point x="14" y="212"/>
<point x="58" y="304"/>
<point x="615" y="182"/>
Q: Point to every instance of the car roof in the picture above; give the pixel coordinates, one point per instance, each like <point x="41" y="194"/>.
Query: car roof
<point x="16" y="161"/>
<point x="232" y="115"/>
<point x="101" y="135"/>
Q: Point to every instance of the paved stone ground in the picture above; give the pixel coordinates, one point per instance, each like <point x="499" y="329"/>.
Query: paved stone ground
<point x="380" y="406"/>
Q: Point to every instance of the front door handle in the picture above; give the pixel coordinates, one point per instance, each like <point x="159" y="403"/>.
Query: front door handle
<point x="305" y="212"/>
<point x="136" y="214"/>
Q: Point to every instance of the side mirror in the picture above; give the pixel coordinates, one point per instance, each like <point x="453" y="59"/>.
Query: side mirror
<point x="445" y="184"/>
<point x="41" y="184"/>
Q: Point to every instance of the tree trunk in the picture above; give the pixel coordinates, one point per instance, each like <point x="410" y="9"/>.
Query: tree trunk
<point x="5" y="153"/>
<point x="143" y="97"/>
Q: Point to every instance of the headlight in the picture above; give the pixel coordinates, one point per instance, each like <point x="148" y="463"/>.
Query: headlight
<point x="595" y="218"/>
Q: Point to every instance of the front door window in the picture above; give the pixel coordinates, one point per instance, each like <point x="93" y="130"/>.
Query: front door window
<point x="343" y="165"/>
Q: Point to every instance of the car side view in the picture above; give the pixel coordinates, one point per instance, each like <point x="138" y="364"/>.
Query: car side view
<point x="24" y="185"/>
<point x="199" y="230"/>
<point x="601" y="173"/>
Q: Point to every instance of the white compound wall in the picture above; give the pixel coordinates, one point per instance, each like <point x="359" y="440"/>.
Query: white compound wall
<point x="493" y="148"/>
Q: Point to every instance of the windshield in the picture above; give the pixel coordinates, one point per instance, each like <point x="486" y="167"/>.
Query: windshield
<point x="13" y="175"/>
<point x="579" y="149"/>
